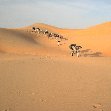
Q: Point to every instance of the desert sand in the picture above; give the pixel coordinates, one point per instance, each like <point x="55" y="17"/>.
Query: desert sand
<point x="38" y="75"/>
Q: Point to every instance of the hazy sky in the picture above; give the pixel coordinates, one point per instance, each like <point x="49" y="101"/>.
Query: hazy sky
<point x="60" y="13"/>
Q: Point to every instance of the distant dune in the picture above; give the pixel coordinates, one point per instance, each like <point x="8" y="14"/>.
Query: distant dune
<point x="94" y="40"/>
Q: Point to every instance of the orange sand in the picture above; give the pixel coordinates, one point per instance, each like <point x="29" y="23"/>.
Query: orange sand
<point x="38" y="75"/>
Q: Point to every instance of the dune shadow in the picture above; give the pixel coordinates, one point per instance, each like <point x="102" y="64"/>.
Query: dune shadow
<point x="85" y="51"/>
<point x="24" y="36"/>
<point x="90" y="53"/>
<point x="95" y="54"/>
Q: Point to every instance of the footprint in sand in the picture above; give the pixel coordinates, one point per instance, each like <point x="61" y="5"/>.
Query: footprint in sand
<point x="98" y="107"/>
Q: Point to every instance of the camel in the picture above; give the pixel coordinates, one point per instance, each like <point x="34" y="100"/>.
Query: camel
<point x="75" y="49"/>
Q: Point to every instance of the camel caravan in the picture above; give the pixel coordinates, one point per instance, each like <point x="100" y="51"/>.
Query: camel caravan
<point x="46" y="32"/>
<point x="73" y="47"/>
<point x="58" y="37"/>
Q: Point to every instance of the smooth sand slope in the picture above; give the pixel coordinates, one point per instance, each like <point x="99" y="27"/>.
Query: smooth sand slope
<point x="38" y="75"/>
<point x="22" y="42"/>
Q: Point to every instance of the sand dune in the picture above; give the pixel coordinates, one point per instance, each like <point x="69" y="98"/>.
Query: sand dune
<point x="96" y="38"/>
<point x="38" y="75"/>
